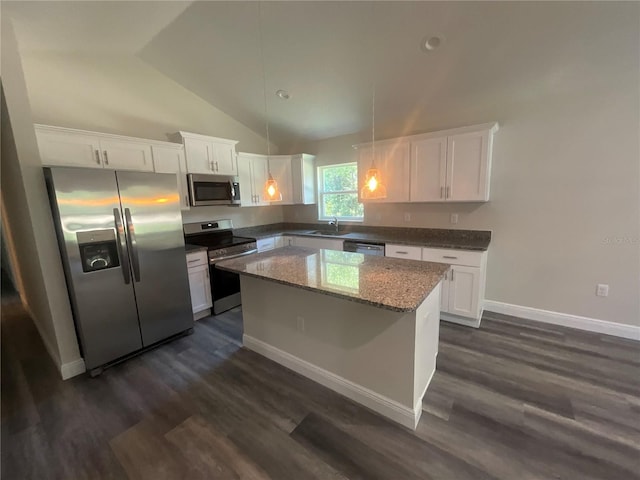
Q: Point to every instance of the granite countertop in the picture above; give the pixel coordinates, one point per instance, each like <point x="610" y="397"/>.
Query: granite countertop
<point x="194" y="248"/>
<point x="424" y="237"/>
<point x="390" y="283"/>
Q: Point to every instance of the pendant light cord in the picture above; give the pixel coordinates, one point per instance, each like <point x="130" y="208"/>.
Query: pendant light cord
<point x="264" y="85"/>
<point x="373" y="89"/>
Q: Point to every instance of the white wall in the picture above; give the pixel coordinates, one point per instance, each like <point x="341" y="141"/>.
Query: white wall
<point x="27" y="215"/>
<point x="565" y="201"/>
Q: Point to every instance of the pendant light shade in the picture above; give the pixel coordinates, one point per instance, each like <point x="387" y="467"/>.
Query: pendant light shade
<point x="373" y="187"/>
<point x="271" y="191"/>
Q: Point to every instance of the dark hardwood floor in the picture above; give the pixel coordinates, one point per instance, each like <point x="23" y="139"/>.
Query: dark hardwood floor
<point x="513" y="400"/>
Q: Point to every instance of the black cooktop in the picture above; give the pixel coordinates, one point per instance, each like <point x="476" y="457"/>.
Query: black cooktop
<point x="217" y="240"/>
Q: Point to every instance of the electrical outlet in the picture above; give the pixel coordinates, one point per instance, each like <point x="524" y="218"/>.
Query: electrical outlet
<point x="300" y="323"/>
<point x="407" y="217"/>
<point x="454" y="218"/>
<point x="602" y="290"/>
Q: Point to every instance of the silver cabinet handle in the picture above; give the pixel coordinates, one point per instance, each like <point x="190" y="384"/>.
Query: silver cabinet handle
<point x="217" y="166"/>
<point x="452" y="275"/>
<point x="448" y="193"/>
<point x="446" y="276"/>
<point x="133" y="245"/>
<point x="193" y="261"/>
<point x="441" y="192"/>
<point x="106" y="158"/>
<point x="449" y="256"/>
<point x="122" y="247"/>
<point x="98" y="157"/>
<point x="403" y="253"/>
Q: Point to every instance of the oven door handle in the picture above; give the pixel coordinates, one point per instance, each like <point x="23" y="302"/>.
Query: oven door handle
<point x="213" y="261"/>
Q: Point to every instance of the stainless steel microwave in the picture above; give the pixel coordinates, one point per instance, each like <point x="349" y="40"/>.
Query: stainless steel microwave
<point x="213" y="190"/>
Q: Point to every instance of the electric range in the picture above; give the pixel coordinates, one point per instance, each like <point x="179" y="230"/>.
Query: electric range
<point x="217" y="236"/>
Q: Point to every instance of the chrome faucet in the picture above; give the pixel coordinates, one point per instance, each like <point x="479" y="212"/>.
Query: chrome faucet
<point x="334" y="222"/>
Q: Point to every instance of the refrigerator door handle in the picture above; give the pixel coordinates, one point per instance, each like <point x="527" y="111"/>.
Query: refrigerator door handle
<point x="122" y="247"/>
<point x="133" y="246"/>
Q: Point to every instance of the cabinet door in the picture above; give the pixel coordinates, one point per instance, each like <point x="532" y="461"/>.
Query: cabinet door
<point x="70" y="149"/>
<point x="171" y="160"/>
<point x="223" y="156"/>
<point x="245" y="175"/>
<point x="467" y="167"/>
<point x="464" y="291"/>
<point x="280" y="166"/>
<point x="266" y="244"/>
<point x="198" y="155"/>
<point x="124" y="155"/>
<point x="200" y="288"/>
<point x="444" y="293"/>
<point x="393" y="161"/>
<point x="260" y="175"/>
<point x="303" y="175"/>
<point x="428" y="170"/>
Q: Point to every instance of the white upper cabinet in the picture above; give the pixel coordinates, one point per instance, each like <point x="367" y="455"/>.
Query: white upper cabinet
<point x="205" y="154"/>
<point x="446" y="166"/>
<point x="428" y="170"/>
<point x="170" y="159"/>
<point x="468" y="166"/>
<point x="126" y="155"/>
<point x="296" y="178"/>
<point x="79" y="148"/>
<point x="68" y="148"/>
<point x="253" y="174"/>
<point x="392" y="159"/>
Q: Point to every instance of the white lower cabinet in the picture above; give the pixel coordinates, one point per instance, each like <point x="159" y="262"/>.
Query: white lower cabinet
<point x="199" y="283"/>
<point x="463" y="286"/>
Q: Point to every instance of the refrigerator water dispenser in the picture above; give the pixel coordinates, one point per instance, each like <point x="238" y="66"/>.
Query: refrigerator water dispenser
<point x="98" y="250"/>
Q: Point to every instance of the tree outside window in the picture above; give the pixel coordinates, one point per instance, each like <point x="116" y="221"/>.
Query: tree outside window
<point x="338" y="192"/>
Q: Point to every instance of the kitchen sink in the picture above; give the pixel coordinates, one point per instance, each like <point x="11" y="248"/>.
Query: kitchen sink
<point x="324" y="232"/>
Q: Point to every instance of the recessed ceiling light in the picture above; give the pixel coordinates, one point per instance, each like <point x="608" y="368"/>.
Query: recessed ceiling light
<point x="283" y="94"/>
<point x="430" y="43"/>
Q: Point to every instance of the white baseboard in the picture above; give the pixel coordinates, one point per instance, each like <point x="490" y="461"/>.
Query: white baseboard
<point x="384" y="406"/>
<point x="566" y="320"/>
<point x="467" y="322"/>
<point x="72" y="369"/>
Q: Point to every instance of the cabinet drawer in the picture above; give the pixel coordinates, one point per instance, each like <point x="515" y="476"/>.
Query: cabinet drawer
<point x="403" y="251"/>
<point x="265" y="244"/>
<point x="195" y="259"/>
<point x="453" y="257"/>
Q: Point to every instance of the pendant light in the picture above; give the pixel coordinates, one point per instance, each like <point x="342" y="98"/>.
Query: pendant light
<point x="373" y="188"/>
<point x="271" y="192"/>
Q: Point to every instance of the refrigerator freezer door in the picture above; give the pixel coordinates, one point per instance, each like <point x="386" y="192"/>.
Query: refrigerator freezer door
<point x="153" y="223"/>
<point x="86" y="207"/>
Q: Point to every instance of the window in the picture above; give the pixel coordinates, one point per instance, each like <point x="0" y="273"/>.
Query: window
<point x="338" y="192"/>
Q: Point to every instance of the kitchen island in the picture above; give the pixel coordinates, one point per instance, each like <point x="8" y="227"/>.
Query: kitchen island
<point x="364" y="326"/>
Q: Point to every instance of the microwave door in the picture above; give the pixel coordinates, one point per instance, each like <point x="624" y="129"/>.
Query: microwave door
<point x="212" y="190"/>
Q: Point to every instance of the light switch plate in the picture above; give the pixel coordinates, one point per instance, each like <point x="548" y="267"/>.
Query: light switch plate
<point x="407" y="217"/>
<point x="454" y="218"/>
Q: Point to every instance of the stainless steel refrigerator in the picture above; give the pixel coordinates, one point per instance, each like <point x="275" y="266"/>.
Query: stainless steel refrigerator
<point x="122" y="247"/>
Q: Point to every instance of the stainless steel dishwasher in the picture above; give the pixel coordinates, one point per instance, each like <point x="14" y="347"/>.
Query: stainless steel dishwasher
<point x="364" y="247"/>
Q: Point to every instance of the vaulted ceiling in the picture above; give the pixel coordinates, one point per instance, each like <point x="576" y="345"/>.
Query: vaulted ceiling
<point x="330" y="55"/>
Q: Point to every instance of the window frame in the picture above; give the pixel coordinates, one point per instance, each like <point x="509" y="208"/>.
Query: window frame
<point x="322" y="193"/>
